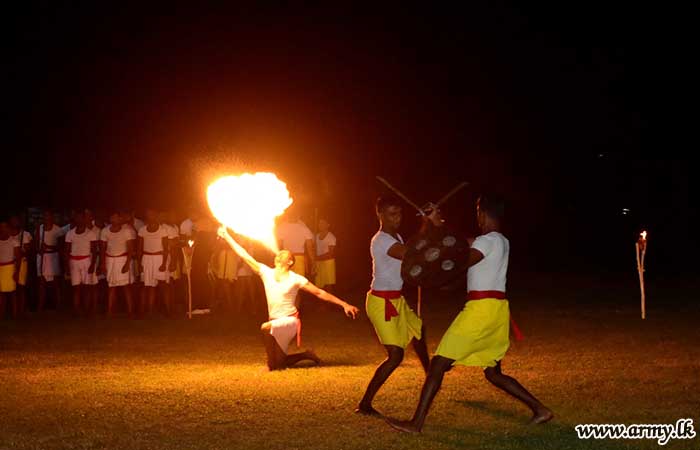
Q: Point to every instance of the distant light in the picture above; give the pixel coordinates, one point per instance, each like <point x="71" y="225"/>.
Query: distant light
<point x="600" y="155"/>
<point x="625" y="211"/>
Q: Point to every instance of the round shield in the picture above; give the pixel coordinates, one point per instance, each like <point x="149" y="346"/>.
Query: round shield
<point x="434" y="258"/>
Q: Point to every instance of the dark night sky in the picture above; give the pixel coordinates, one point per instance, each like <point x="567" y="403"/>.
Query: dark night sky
<point x="553" y="106"/>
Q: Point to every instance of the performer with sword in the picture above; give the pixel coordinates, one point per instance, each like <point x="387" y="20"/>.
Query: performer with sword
<point x="479" y="335"/>
<point x="393" y="320"/>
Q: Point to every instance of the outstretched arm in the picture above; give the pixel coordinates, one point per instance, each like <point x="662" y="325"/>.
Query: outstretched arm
<point x="350" y="310"/>
<point x="245" y="256"/>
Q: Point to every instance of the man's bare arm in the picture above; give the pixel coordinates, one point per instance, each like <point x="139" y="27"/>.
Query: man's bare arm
<point x="350" y="310"/>
<point x="245" y="256"/>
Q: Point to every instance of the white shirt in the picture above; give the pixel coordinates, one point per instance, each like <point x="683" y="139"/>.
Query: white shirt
<point x="153" y="242"/>
<point x="293" y="236"/>
<point x="51" y="236"/>
<point x="489" y="274"/>
<point x="281" y="295"/>
<point x="7" y="249"/>
<point x="386" y="270"/>
<point x="173" y="232"/>
<point x="323" y="244"/>
<point x="97" y="230"/>
<point x="26" y="239"/>
<point x="187" y="227"/>
<point x="116" y="242"/>
<point x="80" y="243"/>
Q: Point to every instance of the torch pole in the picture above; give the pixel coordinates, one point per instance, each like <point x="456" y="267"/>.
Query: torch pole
<point x="189" y="295"/>
<point x="187" y="260"/>
<point x="640" y="270"/>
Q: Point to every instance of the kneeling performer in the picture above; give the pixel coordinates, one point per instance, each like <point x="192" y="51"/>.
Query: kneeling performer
<point x="281" y="287"/>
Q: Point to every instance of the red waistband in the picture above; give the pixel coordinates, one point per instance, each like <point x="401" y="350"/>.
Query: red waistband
<point x="327" y="258"/>
<point x="386" y="295"/>
<point x="153" y="253"/>
<point x="480" y="295"/>
<point x="389" y="308"/>
<point x="6" y="263"/>
<point x="116" y="256"/>
<point x="79" y="257"/>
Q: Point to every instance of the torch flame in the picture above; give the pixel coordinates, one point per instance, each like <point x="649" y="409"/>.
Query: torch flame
<point x="644" y="235"/>
<point x="249" y="204"/>
<point x="190" y="242"/>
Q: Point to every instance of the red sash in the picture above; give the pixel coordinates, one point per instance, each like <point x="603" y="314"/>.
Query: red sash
<point x="6" y="263"/>
<point x="153" y="253"/>
<point x="79" y="257"/>
<point x="480" y="295"/>
<point x="116" y="256"/>
<point x="498" y="295"/>
<point x="389" y="308"/>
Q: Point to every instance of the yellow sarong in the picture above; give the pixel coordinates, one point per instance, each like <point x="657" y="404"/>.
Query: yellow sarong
<point x="7" y="283"/>
<point x="325" y="273"/>
<point x="399" y="330"/>
<point x="23" y="273"/>
<point x="299" y="266"/>
<point x="479" y="335"/>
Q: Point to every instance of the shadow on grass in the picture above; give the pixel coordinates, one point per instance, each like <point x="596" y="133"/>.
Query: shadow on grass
<point x="552" y="435"/>
<point x="324" y="364"/>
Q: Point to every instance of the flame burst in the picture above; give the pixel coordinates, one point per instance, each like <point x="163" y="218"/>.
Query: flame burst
<point x="643" y="234"/>
<point x="249" y="204"/>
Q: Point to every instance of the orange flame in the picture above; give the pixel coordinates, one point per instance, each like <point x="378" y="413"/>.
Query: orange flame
<point x="249" y="204"/>
<point x="643" y="234"/>
<point x="190" y="242"/>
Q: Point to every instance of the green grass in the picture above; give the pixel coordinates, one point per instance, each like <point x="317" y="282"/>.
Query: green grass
<point x="68" y="383"/>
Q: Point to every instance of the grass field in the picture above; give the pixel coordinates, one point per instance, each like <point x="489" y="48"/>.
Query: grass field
<point x="164" y="384"/>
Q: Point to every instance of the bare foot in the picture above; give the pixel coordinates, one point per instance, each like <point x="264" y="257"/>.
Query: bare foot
<point x="542" y="415"/>
<point x="367" y="411"/>
<point x="405" y="426"/>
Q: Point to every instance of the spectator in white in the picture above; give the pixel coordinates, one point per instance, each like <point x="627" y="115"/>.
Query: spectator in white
<point x="70" y="224"/>
<point x="129" y="220"/>
<point x="81" y="258"/>
<point x="295" y="236"/>
<point x="325" y="257"/>
<point x="116" y="252"/>
<point x="172" y="263"/>
<point x="49" y="238"/>
<point x="152" y="252"/>
<point x="24" y="240"/>
<point x="187" y="228"/>
<point x="9" y="268"/>
<point x="95" y="224"/>
<point x="138" y="223"/>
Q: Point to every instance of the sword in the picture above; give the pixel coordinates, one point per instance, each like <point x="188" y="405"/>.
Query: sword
<point x="400" y="194"/>
<point x="451" y="193"/>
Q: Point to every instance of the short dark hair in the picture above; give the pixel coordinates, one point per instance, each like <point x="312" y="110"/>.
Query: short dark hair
<point x="492" y="205"/>
<point x="385" y="201"/>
